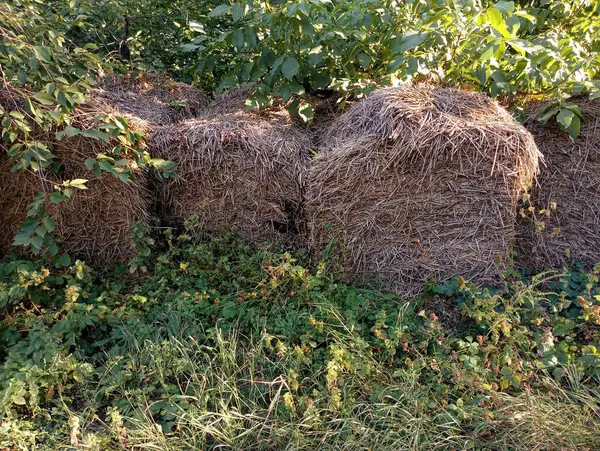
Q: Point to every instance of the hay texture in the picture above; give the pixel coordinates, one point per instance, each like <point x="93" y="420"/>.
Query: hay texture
<point x="417" y="182"/>
<point x="568" y="189"/>
<point x="152" y="98"/>
<point x="94" y="224"/>
<point x="237" y="172"/>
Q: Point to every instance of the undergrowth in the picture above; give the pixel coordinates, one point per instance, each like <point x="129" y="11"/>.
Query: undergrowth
<point x="220" y="345"/>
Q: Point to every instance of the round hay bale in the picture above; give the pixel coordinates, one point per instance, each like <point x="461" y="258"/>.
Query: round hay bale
<point x="417" y="182"/>
<point x="568" y="189"/>
<point x="94" y="224"/>
<point x="238" y="172"/>
<point x="152" y="97"/>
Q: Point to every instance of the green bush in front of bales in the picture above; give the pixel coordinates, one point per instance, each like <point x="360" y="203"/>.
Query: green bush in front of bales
<point x="222" y="344"/>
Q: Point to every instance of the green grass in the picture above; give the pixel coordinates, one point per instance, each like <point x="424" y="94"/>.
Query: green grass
<point x="224" y="346"/>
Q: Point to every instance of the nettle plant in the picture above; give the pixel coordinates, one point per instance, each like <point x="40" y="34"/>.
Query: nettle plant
<point x="45" y="77"/>
<point x="293" y="50"/>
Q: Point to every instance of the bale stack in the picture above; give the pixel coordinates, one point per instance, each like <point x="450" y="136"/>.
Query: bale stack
<point x="569" y="191"/>
<point x="152" y="97"/>
<point x="94" y="224"/>
<point x="238" y="172"/>
<point x="418" y="182"/>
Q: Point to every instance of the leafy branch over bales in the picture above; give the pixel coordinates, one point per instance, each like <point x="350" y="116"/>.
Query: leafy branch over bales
<point x="295" y="50"/>
<point x="45" y="107"/>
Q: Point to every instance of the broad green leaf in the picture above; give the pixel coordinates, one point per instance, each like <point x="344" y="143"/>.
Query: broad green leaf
<point x="49" y="224"/>
<point x="575" y="127"/>
<point x="237" y="12"/>
<point x="505" y="7"/>
<point x="290" y="68"/>
<point x="497" y="22"/>
<point x="43" y="53"/>
<point x="409" y="42"/>
<point x="97" y="134"/>
<point x="220" y="10"/>
<point x="64" y="260"/>
<point x="56" y="197"/>
<point x="315" y="56"/>
<point x="395" y="64"/>
<point x="565" y="117"/>
<point x="44" y="98"/>
<point x="37" y="242"/>
<point x="237" y="39"/>
<point x="71" y="131"/>
<point x="364" y="60"/>
<point x="306" y="112"/>
<point x="189" y="47"/>
<point x="522" y="46"/>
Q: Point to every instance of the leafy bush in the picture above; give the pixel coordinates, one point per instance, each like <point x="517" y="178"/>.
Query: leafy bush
<point x="297" y="49"/>
<point x="224" y="344"/>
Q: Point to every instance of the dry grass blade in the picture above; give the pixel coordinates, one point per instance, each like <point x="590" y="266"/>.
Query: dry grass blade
<point x="418" y="181"/>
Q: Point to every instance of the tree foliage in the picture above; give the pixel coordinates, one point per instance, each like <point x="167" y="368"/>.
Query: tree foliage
<point x="298" y="48"/>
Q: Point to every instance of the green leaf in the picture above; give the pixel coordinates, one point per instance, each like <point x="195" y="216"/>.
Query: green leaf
<point x="364" y="60"/>
<point x="43" y="53"/>
<point x="220" y="10"/>
<point x="395" y="64"/>
<point x="290" y="68"/>
<point x="56" y="198"/>
<point x="409" y="42"/>
<point x="71" y="131"/>
<point x="306" y="112"/>
<point x="189" y="47"/>
<point x="315" y="56"/>
<point x="37" y="242"/>
<point x="44" y="98"/>
<point x="505" y="7"/>
<point x="522" y="46"/>
<point x="64" y="260"/>
<point x="97" y="134"/>
<point x="569" y="121"/>
<point x="565" y="117"/>
<point x="49" y="224"/>
<point x="497" y="22"/>
<point x="19" y="400"/>
<point x="575" y="127"/>
<point x="237" y="39"/>
<point x="237" y="12"/>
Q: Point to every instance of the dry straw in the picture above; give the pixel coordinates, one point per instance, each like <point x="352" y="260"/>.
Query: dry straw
<point x="569" y="190"/>
<point x="152" y="97"/>
<point x="237" y="171"/>
<point x="417" y="181"/>
<point x="94" y="224"/>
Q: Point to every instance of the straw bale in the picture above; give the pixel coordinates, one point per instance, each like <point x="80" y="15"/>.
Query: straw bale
<point x="92" y="225"/>
<point x="152" y="97"/>
<point x="238" y="172"/>
<point x="570" y="181"/>
<point x="417" y="182"/>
